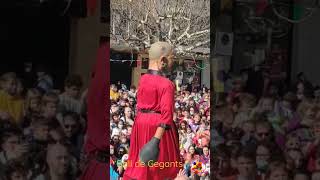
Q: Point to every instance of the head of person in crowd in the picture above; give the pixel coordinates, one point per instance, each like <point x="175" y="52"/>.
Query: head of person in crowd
<point x="307" y="110"/>
<point x="238" y="84"/>
<point x="16" y="171"/>
<point x="292" y="142"/>
<point x="248" y="128"/>
<point x="114" y="108"/>
<point x="192" y="111"/>
<point x="192" y="150"/>
<point x="131" y="102"/>
<point x="121" y="125"/>
<point x="206" y="151"/>
<point x="121" y="151"/>
<point x="263" y="128"/>
<point x="71" y="124"/>
<point x="129" y="128"/>
<point x="113" y="88"/>
<point x="128" y="113"/>
<point x="8" y="82"/>
<point x="33" y="101"/>
<point x="133" y="89"/>
<point x="246" y="164"/>
<point x="116" y="139"/>
<point x="222" y="162"/>
<point x="183" y="126"/>
<point x="304" y="90"/>
<point x="277" y="170"/>
<point x="122" y="103"/>
<point x="266" y="104"/>
<point x="40" y="129"/>
<point x="10" y="143"/>
<point x="58" y="158"/>
<point x="247" y="101"/>
<point x="197" y="118"/>
<point x="186" y="113"/>
<point x="72" y="86"/>
<point x="112" y="150"/>
<point x="49" y="103"/>
<point x="225" y="115"/>
<point x="263" y="155"/>
<point x="125" y="95"/>
<point x="123" y="139"/>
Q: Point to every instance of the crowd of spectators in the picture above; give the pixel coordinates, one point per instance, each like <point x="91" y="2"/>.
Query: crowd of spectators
<point x="269" y="134"/>
<point x="191" y="116"/>
<point x="41" y="128"/>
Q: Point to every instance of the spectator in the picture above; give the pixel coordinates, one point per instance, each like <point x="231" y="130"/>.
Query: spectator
<point x="11" y="105"/>
<point x="49" y="105"/>
<point x="72" y="130"/>
<point x="69" y="101"/>
<point x="58" y="159"/>
<point x="44" y="81"/>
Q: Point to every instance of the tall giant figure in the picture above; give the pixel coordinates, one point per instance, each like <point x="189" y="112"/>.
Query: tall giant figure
<point x="154" y="142"/>
<point x="97" y="135"/>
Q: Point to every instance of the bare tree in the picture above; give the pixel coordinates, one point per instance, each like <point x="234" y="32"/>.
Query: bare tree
<point x="183" y="23"/>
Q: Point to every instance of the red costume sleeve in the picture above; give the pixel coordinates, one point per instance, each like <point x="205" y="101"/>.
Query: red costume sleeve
<point x="98" y="104"/>
<point x="166" y="105"/>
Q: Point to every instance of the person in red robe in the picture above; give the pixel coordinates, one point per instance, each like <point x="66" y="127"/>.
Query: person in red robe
<point x="154" y="142"/>
<point x="96" y="165"/>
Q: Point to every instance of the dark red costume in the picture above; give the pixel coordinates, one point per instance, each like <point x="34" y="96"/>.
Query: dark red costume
<point x="155" y="93"/>
<point x="97" y="135"/>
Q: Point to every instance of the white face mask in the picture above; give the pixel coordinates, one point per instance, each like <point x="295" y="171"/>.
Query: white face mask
<point x="111" y="151"/>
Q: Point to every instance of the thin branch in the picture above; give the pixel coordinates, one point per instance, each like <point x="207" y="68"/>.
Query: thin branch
<point x="197" y="45"/>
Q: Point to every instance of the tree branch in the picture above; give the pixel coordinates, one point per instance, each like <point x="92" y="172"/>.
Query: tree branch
<point x="197" y="45"/>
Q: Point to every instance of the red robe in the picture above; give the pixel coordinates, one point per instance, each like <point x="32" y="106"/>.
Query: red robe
<point x="155" y="93"/>
<point x="97" y="135"/>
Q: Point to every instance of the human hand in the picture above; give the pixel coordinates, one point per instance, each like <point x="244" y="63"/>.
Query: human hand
<point x="120" y="169"/>
<point x="181" y="175"/>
